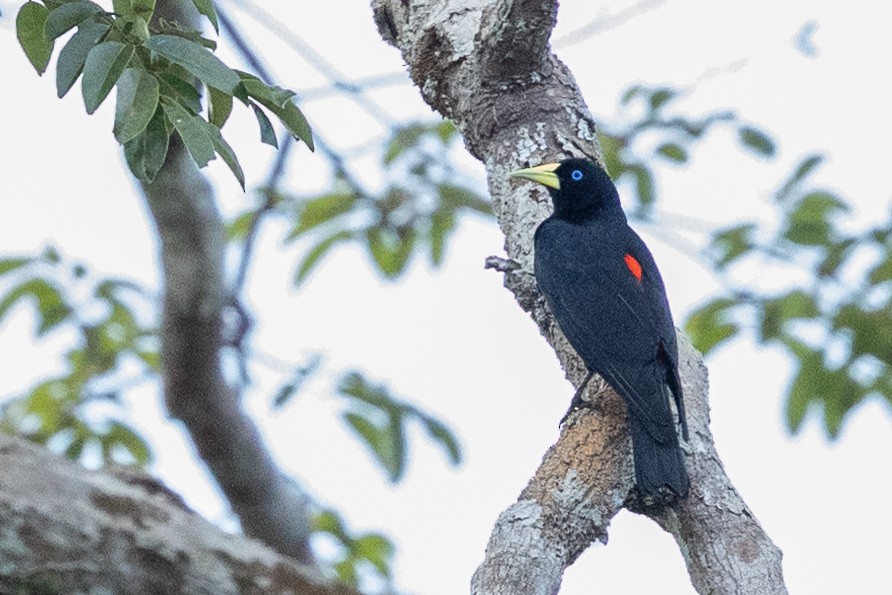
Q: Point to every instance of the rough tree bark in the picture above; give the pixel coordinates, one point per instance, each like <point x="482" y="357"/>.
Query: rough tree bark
<point x="487" y="65"/>
<point x="67" y="530"/>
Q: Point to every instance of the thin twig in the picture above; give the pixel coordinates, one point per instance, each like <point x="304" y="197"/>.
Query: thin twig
<point x="605" y="23"/>
<point x="313" y="58"/>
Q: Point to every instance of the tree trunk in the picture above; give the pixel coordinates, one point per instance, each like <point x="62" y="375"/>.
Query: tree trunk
<point x="67" y="530"/>
<point x="487" y="65"/>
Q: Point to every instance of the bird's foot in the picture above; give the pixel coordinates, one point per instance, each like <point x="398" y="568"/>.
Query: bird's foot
<point x="578" y="402"/>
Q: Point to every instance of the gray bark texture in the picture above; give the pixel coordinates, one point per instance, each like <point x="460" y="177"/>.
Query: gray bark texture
<point x="67" y="530"/>
<point x="487" y="65"/>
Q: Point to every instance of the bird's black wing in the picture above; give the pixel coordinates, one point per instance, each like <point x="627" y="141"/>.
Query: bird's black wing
<point x="616" y="322"/>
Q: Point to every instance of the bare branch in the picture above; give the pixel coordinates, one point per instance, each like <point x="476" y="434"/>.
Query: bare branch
<point x="268" y="503"/>
<point x="602" y="23"/>
<point x="67" y="530"/>
<point x="587" y="476"/>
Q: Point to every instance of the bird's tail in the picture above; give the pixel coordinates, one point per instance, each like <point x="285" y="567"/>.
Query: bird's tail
<point x="659" y="467"/>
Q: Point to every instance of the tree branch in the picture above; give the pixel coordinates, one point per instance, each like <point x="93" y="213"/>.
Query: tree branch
<point x="122" y="532"/>
<point x="269" y="505"/>
<point x="524" y="114"/>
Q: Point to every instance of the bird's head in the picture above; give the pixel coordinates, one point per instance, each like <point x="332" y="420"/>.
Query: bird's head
<point x="579" y="188"/>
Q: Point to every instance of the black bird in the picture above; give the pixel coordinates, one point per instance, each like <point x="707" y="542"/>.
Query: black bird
<point x="605" y="291"/>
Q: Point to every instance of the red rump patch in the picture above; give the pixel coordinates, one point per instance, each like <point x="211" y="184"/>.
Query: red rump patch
<point x="633" y="265"/>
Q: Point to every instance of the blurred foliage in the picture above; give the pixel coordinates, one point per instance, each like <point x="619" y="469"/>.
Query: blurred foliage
<point x="356" y="559"/>
<point x="111" y="349"/>
<point x="835" y="317"/>
<point x="159" y="70"/>
<point x="379" y="420"/>
<point x="416" y="211"/>
<point x="650" y="137"/>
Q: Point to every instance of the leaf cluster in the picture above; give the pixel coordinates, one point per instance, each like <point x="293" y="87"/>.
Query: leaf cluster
<point x="836" y="324"/>
<point x="380" y="422"/>
<point x="356" y="556"/>
<point x="59" y="411"/>
<point x="654" y="137"/>
<point x="159" y="70"/>
<point x="417" y="210"/>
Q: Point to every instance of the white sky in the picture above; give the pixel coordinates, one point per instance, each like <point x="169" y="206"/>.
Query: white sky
<point x="454" y="340"/>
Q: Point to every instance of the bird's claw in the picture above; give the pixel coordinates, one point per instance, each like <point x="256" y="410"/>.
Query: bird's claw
<point x="577" y="402"/>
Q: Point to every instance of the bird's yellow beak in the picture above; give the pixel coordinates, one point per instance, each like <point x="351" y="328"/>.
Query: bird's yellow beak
<point x="542" y="174"/>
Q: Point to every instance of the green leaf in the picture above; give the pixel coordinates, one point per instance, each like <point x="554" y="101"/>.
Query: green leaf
<point x="644" y="183"/>
<point x="279" y="101"/>
<point x="757" y="141"/>
<point x="206" y="8"/>
<point x="809" y="222"/>
<point x="322" y="209"/>
<point x="123" y="437"/>
<point x="673" y="152"/>
<point x="267" y="133"/>
<point x="456" y="197"/>
<point x="730" y="244"/>
<point x="152" y="359"/>
<point x="196" y="59"/>
<point x="30" y="26"/>
<point x="346" y="572"/>
<point x="220" y="107"/>
<point x="271" y="96"/>
<point x="193" y="132"/>
<point x="355" y="385"/>
<point x="377" y="550"/>
<point x="144" y="9"/>
<point x="610" y="149"/>
<point x="836" y="254"/>
<point x="68" y="16"/>
<point x="390" y="249"/>
<point x="225" y="151"/>
<point x="776" y="312"/>
<point x="402" y="140"/>
<point x="440" y="433"/>
<point x="446" y="130"/>
<point x="165" y="28"/>
<point x="74" y="54"/>
<point x="147" y="152"/>
<point x="122" y="7"/>
<point x="882" y="272"/>
<point x="51" y="306"/>
<point x="385" y="443"/>
<point x="7" y="265"/>
<point x="870" y="330"/>
<point x="105" y="63"/>
<point x="630" y="94"/>
<point x="709" y="326"/>
<point x="803" y="388"/>
<point x="804" y="169"/>
<point x="296" y="123"/>
<point x="137" y="103"/>
<point x="659" y="98"/>
<point x="442" y="223"/>
<point x="180" y="91"/>
<point x="317" y="252"/>
<point x="237" y="228"/>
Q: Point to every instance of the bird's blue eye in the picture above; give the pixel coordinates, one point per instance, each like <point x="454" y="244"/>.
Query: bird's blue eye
<point x="576" y="175"/>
